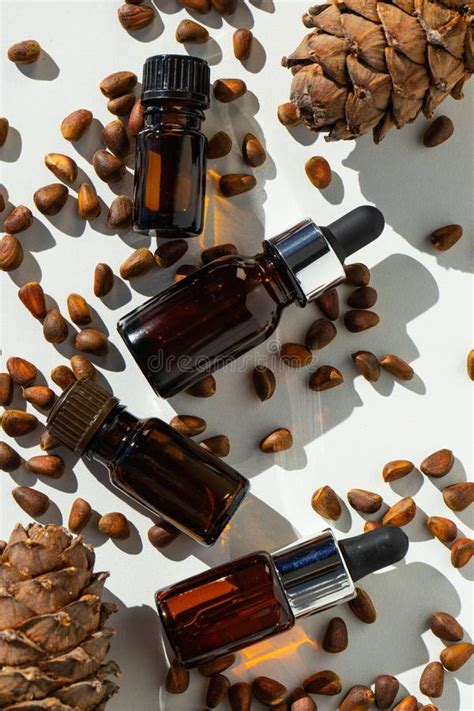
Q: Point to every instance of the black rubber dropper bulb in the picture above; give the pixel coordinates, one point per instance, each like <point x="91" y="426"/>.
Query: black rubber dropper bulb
<point x="354" y="230"/>
<point x="372" y="551"/>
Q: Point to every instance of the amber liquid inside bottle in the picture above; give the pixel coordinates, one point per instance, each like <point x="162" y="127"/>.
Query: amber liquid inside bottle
<point x="224" y="609"/>
<point x="170" y="170"/>
<point x="169" y="473"/>
<point x="206" y="320"/>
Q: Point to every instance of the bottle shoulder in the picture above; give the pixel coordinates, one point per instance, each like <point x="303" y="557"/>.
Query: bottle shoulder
<point x="234" y="260"/>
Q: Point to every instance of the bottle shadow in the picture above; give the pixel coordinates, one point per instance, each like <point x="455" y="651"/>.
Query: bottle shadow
<point x="255" y="526"/>
<point x="309" y="414"/>
<point x="388" y="173"/>
<point x="294" y="655"/>
<point x="432" y="592"/>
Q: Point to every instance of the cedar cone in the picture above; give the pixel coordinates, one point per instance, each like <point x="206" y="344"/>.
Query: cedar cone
<point x="374" y="65"/>
<point x="52" y="636"/>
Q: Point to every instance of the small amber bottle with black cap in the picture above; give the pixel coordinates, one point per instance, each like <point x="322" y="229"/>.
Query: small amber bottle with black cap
<point x="149" y="461"/>
<point x="170" y="168"/>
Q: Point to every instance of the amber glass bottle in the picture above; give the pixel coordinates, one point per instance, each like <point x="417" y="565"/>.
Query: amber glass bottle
<point x="150" y="461"/>
<point x="231" y="305"/>
<point x="224" y="609"/>
<point x="253" y="598"/>
<point x="170" y="164"/>
<point x="206" y="320"/>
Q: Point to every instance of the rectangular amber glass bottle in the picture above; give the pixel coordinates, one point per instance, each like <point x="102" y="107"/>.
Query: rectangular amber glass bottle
<point x="225" y="608"/>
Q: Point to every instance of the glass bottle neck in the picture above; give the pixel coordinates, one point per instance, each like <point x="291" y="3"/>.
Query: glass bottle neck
<point x="115" y="432"/>
<point x="174" y="113"/>
<point x="277" y="275"/>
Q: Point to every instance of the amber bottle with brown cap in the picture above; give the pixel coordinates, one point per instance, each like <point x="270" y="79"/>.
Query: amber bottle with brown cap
<point x="150" y="461"/>
<point x="170" y="165"/>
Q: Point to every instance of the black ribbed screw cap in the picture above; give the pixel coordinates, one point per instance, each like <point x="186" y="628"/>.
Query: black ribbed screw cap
<point x="176" y="76"/>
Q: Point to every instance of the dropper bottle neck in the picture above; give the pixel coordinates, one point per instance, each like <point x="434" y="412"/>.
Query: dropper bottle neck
<point x="314" y="574"/>
<point x="308" y="258"/>
<point x="314" y="256"/>
<point x="318" y="572"/>
<point x="276" y="274"/>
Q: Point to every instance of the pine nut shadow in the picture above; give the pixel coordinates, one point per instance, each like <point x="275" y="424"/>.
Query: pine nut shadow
<point x="44" y="69"/>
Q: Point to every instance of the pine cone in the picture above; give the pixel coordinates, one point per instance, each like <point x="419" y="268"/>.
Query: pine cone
<point x="375" y="65"/>
<point x="52" y="636"/>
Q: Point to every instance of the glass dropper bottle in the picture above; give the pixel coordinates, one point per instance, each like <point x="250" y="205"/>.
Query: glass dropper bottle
<point x="235" y="303"/>
<point x="262" y="594"/>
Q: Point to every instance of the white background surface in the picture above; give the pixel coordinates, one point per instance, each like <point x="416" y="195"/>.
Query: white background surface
<point x="342" y="437"/>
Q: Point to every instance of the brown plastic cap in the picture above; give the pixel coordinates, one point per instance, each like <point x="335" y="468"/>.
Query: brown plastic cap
<point x="79" y="413"/>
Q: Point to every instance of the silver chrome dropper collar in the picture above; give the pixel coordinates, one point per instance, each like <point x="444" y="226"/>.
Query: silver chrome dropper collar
<point x="309" y="258"/>
<point x="314" y="574"/>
